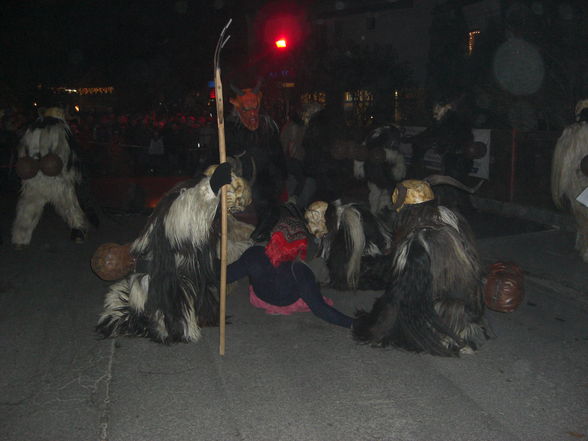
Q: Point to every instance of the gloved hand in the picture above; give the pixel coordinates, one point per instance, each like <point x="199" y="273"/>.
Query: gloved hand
<point x="220" y="177"/>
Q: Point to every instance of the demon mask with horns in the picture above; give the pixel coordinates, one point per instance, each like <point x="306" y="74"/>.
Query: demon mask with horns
<point x="247" y="103"/>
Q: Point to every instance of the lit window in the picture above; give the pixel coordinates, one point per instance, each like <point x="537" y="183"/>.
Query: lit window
<point x="318" y="97"/>
<point x="357" y="104"/>
<point x="472" y="36"/>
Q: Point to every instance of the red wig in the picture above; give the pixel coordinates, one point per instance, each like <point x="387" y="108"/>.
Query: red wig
<point x="281" y="250"/>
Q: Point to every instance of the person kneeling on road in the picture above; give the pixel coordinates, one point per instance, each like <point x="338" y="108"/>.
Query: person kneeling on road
<point x="280" y="280"/>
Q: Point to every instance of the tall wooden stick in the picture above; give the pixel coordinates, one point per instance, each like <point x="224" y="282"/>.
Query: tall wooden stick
<point x="218" y="88"/>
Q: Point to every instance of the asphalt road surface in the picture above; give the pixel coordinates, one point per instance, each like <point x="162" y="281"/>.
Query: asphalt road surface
<point x="285" y="377"/>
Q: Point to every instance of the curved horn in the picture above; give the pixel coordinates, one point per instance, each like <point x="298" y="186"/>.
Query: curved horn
<point x="448" y="180"/>
<point x="236" y="90"/>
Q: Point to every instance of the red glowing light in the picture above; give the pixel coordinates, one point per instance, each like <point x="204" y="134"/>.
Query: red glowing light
<point x="281" y="43"/>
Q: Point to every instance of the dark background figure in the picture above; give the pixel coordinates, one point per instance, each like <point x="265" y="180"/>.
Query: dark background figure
<point x="384" y="167"/>
<point x="453" y="134"/>
<point x="12" y="127"/>
<point x="291" y="136"/>
<point x="173" y="146"/>
<point x="329" y="151"/>
<point x="156" y="153"/>
<point x="11" y="130"/>
<point x="253" y="141"/>
<point x="449" y="136"/>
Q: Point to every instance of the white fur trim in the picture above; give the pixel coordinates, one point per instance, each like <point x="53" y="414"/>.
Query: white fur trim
<point x="568" y="181"/>
<point x="355" y="237"/>
<point x="138" y="291"/>
<point x="448" y="217"/>
<point x="359" y="169"/>
<point x="399" y="167"/>
<point x="38" y="192"/>
<point x="378" y="198"/>
<point x="191" y="214"/>
<point x="401" y="257"/>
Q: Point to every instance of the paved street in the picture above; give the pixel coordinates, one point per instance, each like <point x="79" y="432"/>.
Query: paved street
<point x="286" y="377"/>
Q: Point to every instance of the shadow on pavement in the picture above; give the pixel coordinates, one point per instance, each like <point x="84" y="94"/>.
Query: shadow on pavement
<point x="486" y="224"/>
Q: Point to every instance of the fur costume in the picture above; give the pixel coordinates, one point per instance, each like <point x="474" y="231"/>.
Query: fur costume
<point x="353" y="242"/>
<point x="450" y="136"/>
<point x="356" y="244"/>
<point x="384" y="167"/>
<point x="292" y="134"/>
<point x="175" y="294"/>
<point x="49" y="134"/>
<point x="567" y="178"/>
<point x="434" y="300"/>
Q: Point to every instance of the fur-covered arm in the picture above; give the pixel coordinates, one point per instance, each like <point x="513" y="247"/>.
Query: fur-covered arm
<point x="184" y="216"/>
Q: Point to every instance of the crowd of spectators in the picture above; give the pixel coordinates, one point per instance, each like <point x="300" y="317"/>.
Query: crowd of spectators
<point x="124" y="144"/>
<point x="143" y="144"/>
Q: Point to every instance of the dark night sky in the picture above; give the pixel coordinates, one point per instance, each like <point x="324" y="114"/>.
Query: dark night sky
<point x="62" y="42"/>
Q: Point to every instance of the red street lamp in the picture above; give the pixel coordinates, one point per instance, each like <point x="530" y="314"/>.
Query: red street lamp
<point x="281" y="43"/>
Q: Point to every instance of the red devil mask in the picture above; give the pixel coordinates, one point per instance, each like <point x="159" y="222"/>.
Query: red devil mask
<point x="247" y="102"/>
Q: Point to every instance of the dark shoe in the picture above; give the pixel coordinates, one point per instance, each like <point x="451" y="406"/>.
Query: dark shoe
<point x="264" y="228"/>
<point x="77" y="236"/>
<point x="261" y="233"/>
<point x="267" y="218"/>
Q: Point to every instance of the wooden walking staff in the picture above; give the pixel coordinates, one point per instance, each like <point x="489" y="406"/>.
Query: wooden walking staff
<point x="218" y="88"/>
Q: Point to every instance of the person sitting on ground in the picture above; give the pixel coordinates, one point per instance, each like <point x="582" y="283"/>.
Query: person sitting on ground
<point x="280" y="281"/>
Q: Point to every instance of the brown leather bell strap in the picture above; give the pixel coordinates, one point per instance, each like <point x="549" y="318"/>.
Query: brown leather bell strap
<point x="401" y="191"/>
